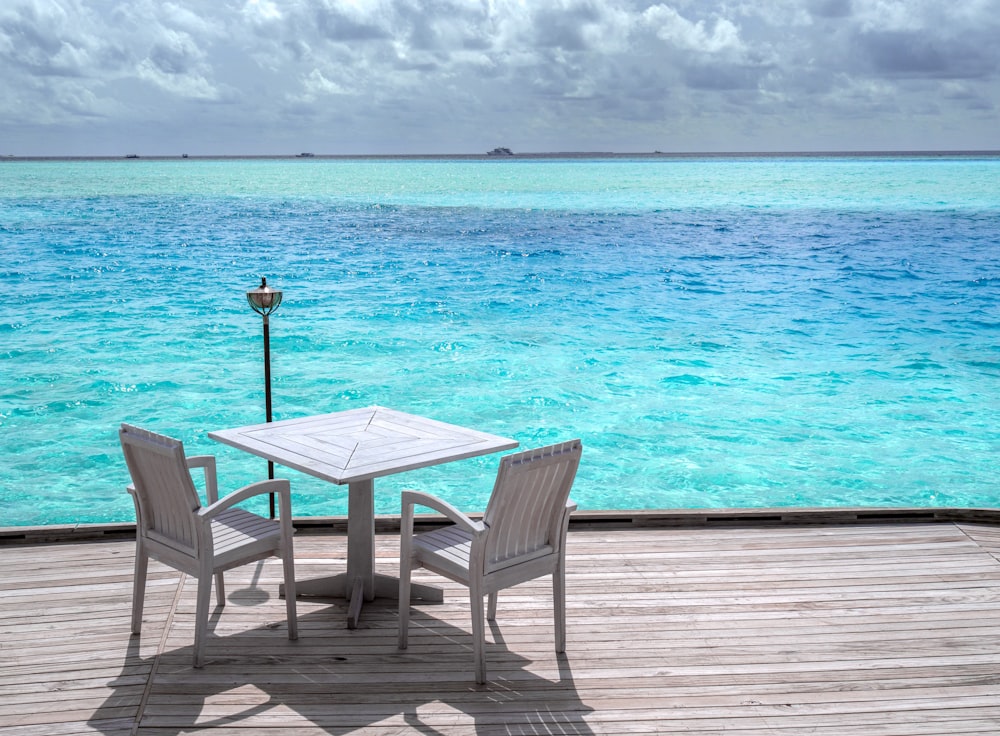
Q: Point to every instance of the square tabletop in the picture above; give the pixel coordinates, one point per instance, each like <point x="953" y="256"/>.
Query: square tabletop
<point x="361" y="444"/>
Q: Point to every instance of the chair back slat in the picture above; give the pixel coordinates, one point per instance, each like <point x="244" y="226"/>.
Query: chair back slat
<point x="526" y="508"/>
<point x="166" y="498"/>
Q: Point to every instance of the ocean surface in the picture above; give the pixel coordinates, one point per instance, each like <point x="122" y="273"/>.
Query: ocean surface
<point x="720" y="332"/>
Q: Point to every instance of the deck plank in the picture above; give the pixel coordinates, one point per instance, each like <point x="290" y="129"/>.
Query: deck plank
<point x="881" y="630"/>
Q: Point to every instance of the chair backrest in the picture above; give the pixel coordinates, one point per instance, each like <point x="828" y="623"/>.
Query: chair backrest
<point x="166" y="499"/>
<point x="525" y="512"/>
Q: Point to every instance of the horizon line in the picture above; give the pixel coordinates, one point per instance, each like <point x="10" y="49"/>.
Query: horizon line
<point x="512" y="155"/>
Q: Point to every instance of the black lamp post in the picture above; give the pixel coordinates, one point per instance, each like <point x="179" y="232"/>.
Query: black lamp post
<point x="265" y="300"/>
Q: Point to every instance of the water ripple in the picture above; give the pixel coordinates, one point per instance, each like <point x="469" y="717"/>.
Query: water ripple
<point x="715" y="338"/>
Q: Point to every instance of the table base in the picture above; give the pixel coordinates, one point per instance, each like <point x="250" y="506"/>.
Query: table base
<point x="385" y="586"/>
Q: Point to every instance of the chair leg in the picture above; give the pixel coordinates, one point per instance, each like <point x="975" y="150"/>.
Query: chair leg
<point x="287" y="553"/>
<point x="201" y="618"/>
<point x="405" y="570"/>
<point x="559" y="606"/>
<point x="139" y="588"/>
<point x="405" y="566"/>
<point x="478" y="633"/>
<point x="491" y="609"/>
<point x="220" y="589"/>
<point x="288" y="563"/>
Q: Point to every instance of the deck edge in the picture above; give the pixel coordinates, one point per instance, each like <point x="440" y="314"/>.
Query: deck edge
<point x="585" y="519"/>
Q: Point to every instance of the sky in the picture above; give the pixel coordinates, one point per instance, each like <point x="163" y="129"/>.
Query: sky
<point x="355" y="77"/>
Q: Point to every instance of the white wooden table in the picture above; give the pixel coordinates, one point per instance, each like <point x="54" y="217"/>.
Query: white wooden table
<point x="355" y="447"/>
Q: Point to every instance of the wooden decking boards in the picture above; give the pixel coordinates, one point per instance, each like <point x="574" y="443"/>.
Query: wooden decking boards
<point x="838" y="630"/>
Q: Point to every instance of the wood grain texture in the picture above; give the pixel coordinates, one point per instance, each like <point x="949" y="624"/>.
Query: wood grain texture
<point x="361" y="444"/>
<point x="870" y="630"/>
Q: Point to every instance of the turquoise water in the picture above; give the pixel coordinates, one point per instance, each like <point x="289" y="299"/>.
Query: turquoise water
<point x="720" y="332"/>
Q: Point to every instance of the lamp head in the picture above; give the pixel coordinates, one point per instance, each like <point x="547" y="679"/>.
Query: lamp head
<point x="264" y="300"/>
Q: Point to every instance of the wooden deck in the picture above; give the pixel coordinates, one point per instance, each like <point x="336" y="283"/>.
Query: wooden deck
<point x="838" y="630"/>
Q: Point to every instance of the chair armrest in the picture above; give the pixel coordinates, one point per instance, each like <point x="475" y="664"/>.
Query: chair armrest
<point x="563" y="528"/>
<point x="279" y="486"/>
<point x="418" y="498"/>
<point x="201" y="461"/>
<point x="207" y="464"/>
<point x="135" y="502"/>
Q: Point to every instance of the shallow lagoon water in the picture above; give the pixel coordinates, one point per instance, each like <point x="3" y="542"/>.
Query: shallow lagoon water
<point x="742" y="332"/>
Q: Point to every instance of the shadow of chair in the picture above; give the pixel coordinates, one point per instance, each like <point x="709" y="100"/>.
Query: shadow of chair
<point x="338" y="684"/>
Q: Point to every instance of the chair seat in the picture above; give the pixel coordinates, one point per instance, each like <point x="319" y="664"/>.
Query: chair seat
<point x="446" y="551"/>
<point x="235" y="533"/>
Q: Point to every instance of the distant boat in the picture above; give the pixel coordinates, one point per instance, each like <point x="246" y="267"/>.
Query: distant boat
<point x="306" y="155"/>
<point x="131" y="155"/>
<point x="500" y="152"/>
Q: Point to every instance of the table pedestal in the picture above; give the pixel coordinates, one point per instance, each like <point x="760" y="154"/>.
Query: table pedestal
<point x="361" y="583"/>
<point x="385" y="586"/>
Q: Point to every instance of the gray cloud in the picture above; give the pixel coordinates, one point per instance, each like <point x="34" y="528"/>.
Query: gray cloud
<point x="393" y="76"/>
<point x="42" y="41"/>
<point x="176" y="54"/>
<point x="913" y="53"/>
<point x="722" y="76"/>
<point x="333" y="24"/>
<point x="831" y="8"/>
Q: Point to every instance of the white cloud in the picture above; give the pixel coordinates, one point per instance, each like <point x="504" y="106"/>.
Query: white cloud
<point x="261" y="11"/>
<point x="190" y="85"/>
<point x="182" y="18"/>
<point x="316" y="85"/>
<point x="672" y="27"/>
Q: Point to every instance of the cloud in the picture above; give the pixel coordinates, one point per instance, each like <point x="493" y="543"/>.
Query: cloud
<point x="911" y="53"/>
<point x="718" y="35"/>
<point x="316" y="85"/>
<point x="348" y="22"/>
<point x="359" y="76"/>
<point x="44" y="40"/>
<point x="831" y="8"/>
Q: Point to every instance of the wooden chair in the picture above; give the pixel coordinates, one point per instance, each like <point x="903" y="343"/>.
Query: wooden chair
<point x="521" y="537"/>
<point x="173" y="527"/>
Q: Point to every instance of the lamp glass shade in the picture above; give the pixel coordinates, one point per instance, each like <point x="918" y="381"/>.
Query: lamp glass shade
<point x="264" y="299"/>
